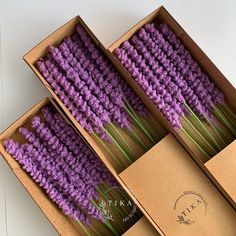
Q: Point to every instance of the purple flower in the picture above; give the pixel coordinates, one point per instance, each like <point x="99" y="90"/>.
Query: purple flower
<point x="179" y="64"/>
<point x="216" y="95"/>
<point x="84" y="94"/>
<point x="76" y="171"/>
<point x="159" y="98"/>
<point x="75" y="144"/>
<point x="110" y="74"/>
<point x="156" y="76"/>
<point x="101" y="88"/>
<point x="20" y="154"/>
<point x="63" y="96"/>
<point x="187" y="92"/>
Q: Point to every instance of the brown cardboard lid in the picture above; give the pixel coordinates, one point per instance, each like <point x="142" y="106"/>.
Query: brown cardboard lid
<point x="175" y="193"/>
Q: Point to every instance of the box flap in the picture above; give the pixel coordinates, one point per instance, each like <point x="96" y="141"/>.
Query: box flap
<point x="223" y="168"/>
<point x="176" y="194"/>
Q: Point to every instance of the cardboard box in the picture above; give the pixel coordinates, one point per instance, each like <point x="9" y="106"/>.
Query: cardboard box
<point x="224" y="178"/>
<point x="150" y="179"/>
<point x="62" y="223"/>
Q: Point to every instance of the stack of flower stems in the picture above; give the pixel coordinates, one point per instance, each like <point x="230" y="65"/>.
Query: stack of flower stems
<point x="60" y="162"/>
<point x="166" y="71"/>
<point x="99" y="98"/>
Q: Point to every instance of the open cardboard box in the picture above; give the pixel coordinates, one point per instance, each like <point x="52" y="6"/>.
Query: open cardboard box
<point x="63" y="224"/>
<point x="213" y="207"/>
<point x="221" y="167"/>
<point x="142" y="179"/>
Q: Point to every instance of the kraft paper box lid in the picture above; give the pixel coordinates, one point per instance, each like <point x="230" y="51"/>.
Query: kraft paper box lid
<point x="176" y="194"/>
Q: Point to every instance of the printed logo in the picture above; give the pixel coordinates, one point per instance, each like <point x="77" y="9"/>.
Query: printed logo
<point x="190" y="207"/>
<point x="117" y="203"/>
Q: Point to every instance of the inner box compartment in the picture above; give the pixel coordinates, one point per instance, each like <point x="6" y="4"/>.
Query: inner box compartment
<point x="62" y="223"/>
<point x="215" y="173"/>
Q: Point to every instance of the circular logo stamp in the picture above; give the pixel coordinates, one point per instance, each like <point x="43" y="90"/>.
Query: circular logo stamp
<point x="117" y="203"/>
<point x="189" y="207"/>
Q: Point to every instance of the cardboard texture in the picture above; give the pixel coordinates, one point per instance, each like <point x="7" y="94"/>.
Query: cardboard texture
<point x="161" y="15"/>
<point x="223" y="167"/>
<point x="63" y="224"/>
<point x="176" y="194"/>
<point x="141" y="193"/>
<point x="141" y="228"/>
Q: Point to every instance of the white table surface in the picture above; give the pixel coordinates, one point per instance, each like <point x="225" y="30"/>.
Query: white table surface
<point x="211" y="23"/>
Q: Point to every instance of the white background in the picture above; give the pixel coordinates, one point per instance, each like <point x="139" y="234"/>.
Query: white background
<point x="211" y="23"/>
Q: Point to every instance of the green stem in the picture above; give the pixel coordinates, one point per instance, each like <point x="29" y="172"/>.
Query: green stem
<point x="200" y="124"/>
<point x="151" y="128"/>
<point x="208" y="144"/>
<point x="130" y="108"/>
<point x="95" y="231"/>
<point x="119" y="147"/>
<point x="230" y="119"/>
<point x="140" y="120"/>
<point x="196" y="143"/>
<point x="123" y="140"/>
<point x="225" y="107"/>
<point x="83" y="228"/>
<point x="134" y="136"/>
<point x="140" y="125"/>
<point x="223" y="135"/>
<point x="222" y="118"/>
<point x="216" y="131"/>
<point x="108" y="150"/>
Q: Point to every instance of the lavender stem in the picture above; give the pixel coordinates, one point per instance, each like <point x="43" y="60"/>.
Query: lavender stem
<point x="196" y="143"/>
<point x="221" y="117"/>
<point x="206" y="142"/>
<point x="118" y="146"/>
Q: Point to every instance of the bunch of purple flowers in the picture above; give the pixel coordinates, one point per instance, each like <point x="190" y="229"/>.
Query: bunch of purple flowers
<point x="97" y="96"/>
<point x="57" y="158"/>
<point x="176" y="84"/>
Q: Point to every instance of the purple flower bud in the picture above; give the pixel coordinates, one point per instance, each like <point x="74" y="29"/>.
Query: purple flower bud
<point x="36" y="172"/>
<point x="217" y="96"/>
